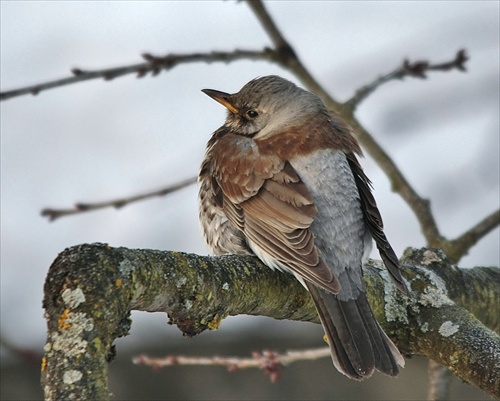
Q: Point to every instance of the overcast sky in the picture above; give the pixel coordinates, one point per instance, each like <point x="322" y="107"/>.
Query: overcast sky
<point x="99" y="140"/>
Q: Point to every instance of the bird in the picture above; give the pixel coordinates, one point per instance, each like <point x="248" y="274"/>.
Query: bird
<point x="280" y="180"/>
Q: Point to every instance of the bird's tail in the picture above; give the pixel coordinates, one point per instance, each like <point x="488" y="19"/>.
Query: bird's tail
<point x="357" y="342"/>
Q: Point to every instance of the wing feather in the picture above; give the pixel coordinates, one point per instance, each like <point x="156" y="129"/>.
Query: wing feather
<point x="374" y="222"/>
<point x="275" y="215"/>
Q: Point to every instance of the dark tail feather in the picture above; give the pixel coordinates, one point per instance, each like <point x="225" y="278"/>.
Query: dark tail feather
<point x="357" y="342"/>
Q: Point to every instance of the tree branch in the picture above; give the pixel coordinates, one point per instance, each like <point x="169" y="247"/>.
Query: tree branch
<point x="457" y="248"/>
<point x="417" y="69"/>
<point x="153" y="66"/>
<point x="91" y="289"/>
<point x="287" y="56"/>
<point x="270" y="362"/>
<point x="80" y="207"/>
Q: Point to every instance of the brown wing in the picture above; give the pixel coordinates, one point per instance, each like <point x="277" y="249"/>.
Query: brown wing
<point x="374" y="222"/>
<point x="274" y="209"/>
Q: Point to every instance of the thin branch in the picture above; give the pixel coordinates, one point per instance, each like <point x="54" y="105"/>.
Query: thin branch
<point x="460" y="246"/>
<point x="153" y="65"/>
<point x="417" y="69"/>
<point x="270" y="362"/>
<point x="53" y="214"/>
<point x="287" y="56"/>
<point x="269" y="26"/>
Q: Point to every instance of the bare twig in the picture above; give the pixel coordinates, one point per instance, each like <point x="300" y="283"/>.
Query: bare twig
<point x="153" y="65"/>
<point x="269" y="362"/>
<point x="417" y="69"/>
<point x="53" y="214"/>
<point x="287" y="56"/>
<point x="460" y="246"/>
<point x="420" y="206"/>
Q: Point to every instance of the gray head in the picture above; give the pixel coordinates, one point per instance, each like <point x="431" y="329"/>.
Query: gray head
<point x="268" y="105"/>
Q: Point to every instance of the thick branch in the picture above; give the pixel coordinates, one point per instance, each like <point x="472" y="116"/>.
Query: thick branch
<point x="91" y="289"/>
<point x="462" y="345"/>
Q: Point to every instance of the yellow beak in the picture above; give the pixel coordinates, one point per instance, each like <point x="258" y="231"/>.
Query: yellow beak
<point x="221" y="97"/>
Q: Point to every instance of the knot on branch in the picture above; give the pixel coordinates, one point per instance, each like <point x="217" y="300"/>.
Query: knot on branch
<point x="416" y="69"/>
<point x="419" y="69"/>
<point x="156" y="64"/>
<point x="286" y="55"/>
<point x="460" y="59"/>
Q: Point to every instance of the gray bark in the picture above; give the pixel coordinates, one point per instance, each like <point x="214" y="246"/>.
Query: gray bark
<point x="451" y="316"/>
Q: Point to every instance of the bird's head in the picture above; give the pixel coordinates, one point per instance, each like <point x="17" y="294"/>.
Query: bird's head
<point x="266" y="106"/>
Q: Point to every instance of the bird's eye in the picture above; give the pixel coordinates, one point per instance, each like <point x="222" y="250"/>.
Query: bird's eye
<point x="252" y="114"/>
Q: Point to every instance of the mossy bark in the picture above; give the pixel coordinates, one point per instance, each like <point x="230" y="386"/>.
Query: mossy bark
<point x="91" y="289"/>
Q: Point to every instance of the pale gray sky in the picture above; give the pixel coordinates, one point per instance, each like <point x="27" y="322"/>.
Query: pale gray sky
<point x="98" y="140"/>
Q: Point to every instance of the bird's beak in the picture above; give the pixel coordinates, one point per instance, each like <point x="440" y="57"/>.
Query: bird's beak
<point x="221" y="97"/>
